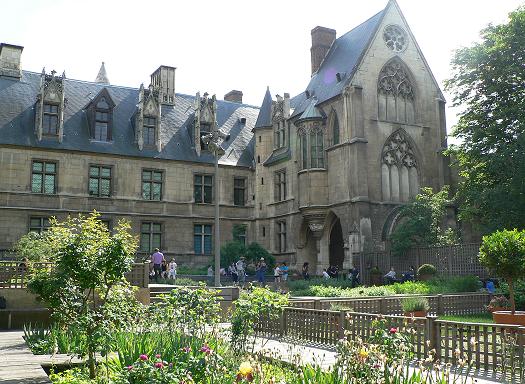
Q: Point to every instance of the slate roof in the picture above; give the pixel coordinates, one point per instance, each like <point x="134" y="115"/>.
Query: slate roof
<point x="343" y="57"/>
<point x="17" y="122"/>
<point x="312" y="112"/>
<point x="265" y="112"/>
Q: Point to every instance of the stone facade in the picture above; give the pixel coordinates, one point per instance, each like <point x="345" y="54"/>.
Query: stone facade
<point x="324" y="172"/>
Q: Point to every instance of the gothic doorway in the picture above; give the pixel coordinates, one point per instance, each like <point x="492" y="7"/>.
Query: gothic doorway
<point x="337" y="252"/>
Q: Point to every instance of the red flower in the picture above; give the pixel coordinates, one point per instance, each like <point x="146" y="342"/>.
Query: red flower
<point x="393" y="330"/>
<point x="157" y="355"/>
<point x="158" y="365"/>
<point x="143" y="357"/>
<point x="206" y="349"/>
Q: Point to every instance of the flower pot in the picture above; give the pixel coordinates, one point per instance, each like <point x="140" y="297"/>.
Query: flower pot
<point x="494" y="309"/>
<point x="416" y="314"/>
<point x="506" y="317"/>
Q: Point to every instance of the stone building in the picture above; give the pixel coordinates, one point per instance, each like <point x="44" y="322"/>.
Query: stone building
<point x="312" y="177"/>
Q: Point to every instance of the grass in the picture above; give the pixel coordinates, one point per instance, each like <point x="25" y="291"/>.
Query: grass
<point x="477" y="318"/>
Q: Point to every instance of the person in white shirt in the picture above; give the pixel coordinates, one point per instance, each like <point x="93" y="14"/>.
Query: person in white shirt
<point x="240" y="266"/>
<point x="326" y="276"/>
<point x="277" y="274"/>
<point x="391" y="276"/>
<point x="172" y="274"/>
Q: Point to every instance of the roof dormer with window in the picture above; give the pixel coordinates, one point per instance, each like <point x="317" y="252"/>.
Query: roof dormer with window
<point x="204" y="119"/>
<point x="148" y="119"/>
<point x="49" y="108"/>
<point x="100" y="117"/>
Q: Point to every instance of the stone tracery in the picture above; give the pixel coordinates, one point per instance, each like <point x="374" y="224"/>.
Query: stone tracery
<point x="395" y="93"/>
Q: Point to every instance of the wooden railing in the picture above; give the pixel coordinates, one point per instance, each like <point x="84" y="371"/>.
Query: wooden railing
<point x="15" y="274"/>
<point x="448" y="304"/>
<point x="495" y="348"/>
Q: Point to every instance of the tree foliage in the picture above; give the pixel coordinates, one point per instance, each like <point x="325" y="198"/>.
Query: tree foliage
<point x="503" y="252"/>
<point x="421" y="222"/>
<point x="85" y="289"/>
<point x="234" y="250"/>
<point x="487" y="82"/>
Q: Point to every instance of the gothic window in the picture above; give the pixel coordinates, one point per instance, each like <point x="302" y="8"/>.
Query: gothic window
<point x="395" y="93"/>
<point x="239" y="191"/>
<point x="335" y="129"/>
<point x="280" y="134"/>
<point x="399" y="174"/>
<point x="316" y="148"/>
<point x="50" y="120"/>
<point x="102" y="131"/>
<point x="304" y="148"/>
<point x="280" y="185"/>
<point x="44" y="177"/>
<point x="148" y="131"/>
<point x="395" y="38"/>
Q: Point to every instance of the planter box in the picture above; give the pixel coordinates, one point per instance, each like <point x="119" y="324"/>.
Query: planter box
<point x="416" y="314"/>
<point x="506" y="317"/>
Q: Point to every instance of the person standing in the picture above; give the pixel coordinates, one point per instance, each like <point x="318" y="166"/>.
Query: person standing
<point x="306" y="274"/>
<point x="172" y="274"/>
<point x="277" y="275"/>
<point x="261" y="271"/>
<point x="233" y="273"/>
<point x="241" y="268"/>
<point x="210" y="275"/>
<point x="157" y="258"/>
<point x="284" y="272"/>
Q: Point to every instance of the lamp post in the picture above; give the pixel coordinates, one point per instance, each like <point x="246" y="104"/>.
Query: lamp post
<point x="213" y="140"/>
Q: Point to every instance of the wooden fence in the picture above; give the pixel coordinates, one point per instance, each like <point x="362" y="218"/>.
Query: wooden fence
<point x="454" y="260"/>
<point x="497" y="349"/>
<point x="15" y="274"/>
<point x="448" y="304"/>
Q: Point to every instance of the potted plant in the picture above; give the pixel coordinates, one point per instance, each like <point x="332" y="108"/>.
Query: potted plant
<point x="376" y="276"/>
<point x="426" y="272"/>
<point x="415" y="306"/>
<point x="498" y="303"/>
<point x="503" y="253"/>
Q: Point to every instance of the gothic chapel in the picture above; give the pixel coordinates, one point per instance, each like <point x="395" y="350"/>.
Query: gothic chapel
<point x="313" y="178"/>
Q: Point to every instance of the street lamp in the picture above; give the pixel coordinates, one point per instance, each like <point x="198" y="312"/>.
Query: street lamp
<point x="213" y="140"/>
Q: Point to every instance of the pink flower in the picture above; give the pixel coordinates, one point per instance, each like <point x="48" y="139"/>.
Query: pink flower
<point x="158" y="365"/>
<point x="130" y="367"/>
<point x="157" y="355"/>
<point x="186" y="349"/>
<point x="206" y="349"/>
<point x="143" y="357"/>
<point x="393" y="330"/>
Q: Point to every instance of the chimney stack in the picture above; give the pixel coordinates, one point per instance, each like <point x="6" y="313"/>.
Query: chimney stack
<point x="163" y="79"/>
<point x="10" y="60"/>
<point x="322" y="39"/>
<point x="234" y="96"/>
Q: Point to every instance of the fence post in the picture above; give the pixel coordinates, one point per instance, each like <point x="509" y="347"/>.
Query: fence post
<point x="432" y="334"/>
<point x="317" y="304"/>
<point x="440" y="310"/>
<point x="342" y="317"/>
<point x="145" y="275"/>
<point x="382" y="306"/>
<point x="283" y="323"/>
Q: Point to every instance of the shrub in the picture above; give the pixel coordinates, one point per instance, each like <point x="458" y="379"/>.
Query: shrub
<point x="427" y="269"/>
<point x="411" y="287"/>
<point x="414" y="304"/>
<point x="231" y="252"/>
<point x="519" y="293"/>
<point x="255" y="251"/>
<point x="498" y="302"/>
<point x="503" y="252"/>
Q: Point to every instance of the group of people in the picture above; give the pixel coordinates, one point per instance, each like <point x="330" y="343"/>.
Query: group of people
<point x="390" y="277"/>
<point x="161" y="268"/>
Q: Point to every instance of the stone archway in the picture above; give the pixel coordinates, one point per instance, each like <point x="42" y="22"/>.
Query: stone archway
<point x="336" y="247"/>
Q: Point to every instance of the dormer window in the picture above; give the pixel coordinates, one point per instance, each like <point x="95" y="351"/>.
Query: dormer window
<point x="100" y="115"/>
<point x="102" y="120"/>
<point x="148" y="131"/>
<point x="50" y="120"/>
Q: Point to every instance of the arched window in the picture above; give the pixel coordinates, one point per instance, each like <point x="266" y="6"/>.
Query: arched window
<point x="335" y="130"/>
<point x="399" y="174"/>
<point x="303" y="140"/>
<point x="316" y="148"/>
<point x="395" y="93"/>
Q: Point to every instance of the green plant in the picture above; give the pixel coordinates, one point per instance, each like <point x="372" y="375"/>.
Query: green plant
<point x="519" y="293"/>
<point x="411" y="287"/>
<point x="82" y="288"/>
<point x="255" y="251"/>
<point x="340" y="307"/>
<point x="503" y="252"/>
<point x="231" y="252"/>
<point x="414" y="304"/>
<point x="427" y="269"/>
<point x="254" y="305"/>
<point x="498" y="302"/>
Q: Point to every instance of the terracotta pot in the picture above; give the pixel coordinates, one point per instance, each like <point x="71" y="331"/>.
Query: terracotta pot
<point x="416" y="314"/>
<point x="506" y="317"/>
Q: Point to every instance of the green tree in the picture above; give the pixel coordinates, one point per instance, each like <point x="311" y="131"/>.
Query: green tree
<point x="503" y="252"/>
<point x="255" y="251"/>
<point x="487" y="82"/>
<point x="85" y="288"/>
<point x="421" y="222"/>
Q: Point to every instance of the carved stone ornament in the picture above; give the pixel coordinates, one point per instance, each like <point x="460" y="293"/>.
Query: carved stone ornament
<point x="398" y="151"/>
<point x="395" y="81"/>
<point x="315" y="227"/>
<point x="395" y="38"/>
<point x="278" y="109"/>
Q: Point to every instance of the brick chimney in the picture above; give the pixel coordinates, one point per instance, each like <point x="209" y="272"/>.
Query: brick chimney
<point x="234" y="96"/>
<point x="322" y="39"/>
<point x="10" y="60"/>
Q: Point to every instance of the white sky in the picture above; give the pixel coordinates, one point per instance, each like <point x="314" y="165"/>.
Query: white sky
<point x="222" y="45"/>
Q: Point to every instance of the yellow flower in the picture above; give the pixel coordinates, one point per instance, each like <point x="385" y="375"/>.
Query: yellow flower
<point x="245" y="369"/>
<point x="363" y="353"/>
